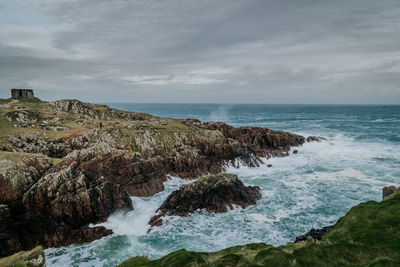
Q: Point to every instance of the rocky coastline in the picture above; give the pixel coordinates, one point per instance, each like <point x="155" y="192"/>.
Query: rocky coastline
<point x="57" y="180"/>
<point x="366" y="236"/>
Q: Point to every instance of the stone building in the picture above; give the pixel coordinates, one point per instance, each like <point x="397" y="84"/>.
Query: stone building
<point x="25" y="93"/>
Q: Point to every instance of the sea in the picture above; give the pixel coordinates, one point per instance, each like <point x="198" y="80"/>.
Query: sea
<point x="310" y="189"/>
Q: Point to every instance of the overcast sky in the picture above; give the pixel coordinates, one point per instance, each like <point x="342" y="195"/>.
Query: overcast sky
<point x="268" y="51"/>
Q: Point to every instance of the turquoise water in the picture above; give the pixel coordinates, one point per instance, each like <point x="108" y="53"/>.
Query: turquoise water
<point x="310" y="189"/>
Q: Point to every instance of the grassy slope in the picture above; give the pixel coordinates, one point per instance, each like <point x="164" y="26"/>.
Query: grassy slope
<point x="162" y="130"/>
<point x="21" y="259"/>
<point x="368" y="235"/>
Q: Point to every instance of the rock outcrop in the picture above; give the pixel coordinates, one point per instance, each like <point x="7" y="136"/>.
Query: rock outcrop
<point x="388" y="190"/>
<point x="26" y="116"/>
<point x="73" y="106"/>
<point x="54" y="207"/>
<point x="316" y="234"/>
<point x="52" y="147"/>
<point x="214" y="193"/>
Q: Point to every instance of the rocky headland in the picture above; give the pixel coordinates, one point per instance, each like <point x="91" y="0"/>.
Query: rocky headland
<point x="61" y="172"/>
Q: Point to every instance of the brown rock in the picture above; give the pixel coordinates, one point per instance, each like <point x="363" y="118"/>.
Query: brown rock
<point x="215" y="193"/>
<point x="54" y="209"/>
<point x="9" y="240"/>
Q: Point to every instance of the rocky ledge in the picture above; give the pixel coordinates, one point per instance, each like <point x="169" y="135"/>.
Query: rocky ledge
<point x="43" y="205"/>
<point x="214" y="193"/>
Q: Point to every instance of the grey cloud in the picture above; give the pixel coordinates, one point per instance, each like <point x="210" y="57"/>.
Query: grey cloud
<point x="274" y="51"/>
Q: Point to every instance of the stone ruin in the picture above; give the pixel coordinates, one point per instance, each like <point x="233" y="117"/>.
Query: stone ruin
<point x="22" y="93"/>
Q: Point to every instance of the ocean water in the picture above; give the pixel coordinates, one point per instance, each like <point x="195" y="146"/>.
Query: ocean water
<point x="310" y="189"/>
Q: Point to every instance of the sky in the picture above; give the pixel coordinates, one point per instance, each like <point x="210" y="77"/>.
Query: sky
<point x="208" y="51"/>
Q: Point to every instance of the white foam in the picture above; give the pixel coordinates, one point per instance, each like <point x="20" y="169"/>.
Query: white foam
<point x="135" y="223"/>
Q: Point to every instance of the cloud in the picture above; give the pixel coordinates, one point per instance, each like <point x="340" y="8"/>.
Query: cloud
<point x="203" y="51"/>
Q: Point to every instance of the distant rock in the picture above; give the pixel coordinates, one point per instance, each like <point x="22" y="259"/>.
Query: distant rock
<point x="316" y="139"/>
<point x="214" y="193"/>
<point x="317" y="234"/>
<point x="73" y="106"/>
<point x="295" y="151"/>
<point x="388" y="190"/>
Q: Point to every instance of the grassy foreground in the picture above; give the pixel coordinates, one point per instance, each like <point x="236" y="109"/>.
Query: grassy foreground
<point x="368" y="235"/>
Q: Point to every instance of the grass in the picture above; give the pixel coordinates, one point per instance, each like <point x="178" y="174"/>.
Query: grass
<point x="368" y="235"/>
<point x="162" y="133"/>
<point x="21" y="258"/>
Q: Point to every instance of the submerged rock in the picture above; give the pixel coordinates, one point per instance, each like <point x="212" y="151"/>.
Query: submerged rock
<point x="214" y="193"/>
<point x="316" y="139"/>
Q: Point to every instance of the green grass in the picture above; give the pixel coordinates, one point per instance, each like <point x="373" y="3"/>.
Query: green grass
<point x="368" y="235"/>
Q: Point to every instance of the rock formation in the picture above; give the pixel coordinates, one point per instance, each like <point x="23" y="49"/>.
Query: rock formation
<point x="24" y="116"/>
<point x="317" y="234"/>
<point x="388" y="190"/>
<point x="54" y="207"/>
<point x="214" y="193"/>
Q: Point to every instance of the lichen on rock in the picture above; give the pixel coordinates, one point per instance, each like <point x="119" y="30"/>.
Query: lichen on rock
<point x="26" y="116"/>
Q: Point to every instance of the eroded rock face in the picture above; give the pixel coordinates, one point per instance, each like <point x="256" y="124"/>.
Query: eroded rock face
<point x="9" y="240"/>
<point x="214" y="193"/>
<point x="17" y="177"/>
<point x="54" y="207"/>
